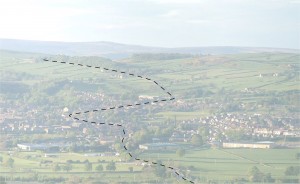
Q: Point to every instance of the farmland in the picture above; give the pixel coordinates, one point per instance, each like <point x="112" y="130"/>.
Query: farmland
<point x="220" y="98"/>
<point x="209" y="164"/>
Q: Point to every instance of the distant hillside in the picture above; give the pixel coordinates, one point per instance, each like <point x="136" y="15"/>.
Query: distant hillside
<point x="117" y="50"/>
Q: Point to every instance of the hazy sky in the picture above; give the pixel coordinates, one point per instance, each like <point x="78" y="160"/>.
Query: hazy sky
<point x="168" y="23"/>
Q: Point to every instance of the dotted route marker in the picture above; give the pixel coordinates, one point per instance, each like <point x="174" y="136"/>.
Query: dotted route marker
<point x="176" y="171"/>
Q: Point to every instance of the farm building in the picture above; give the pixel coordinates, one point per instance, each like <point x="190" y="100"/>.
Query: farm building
<point x="53" y="155"/>
<point x="260" y="145"/>
<point x="158" y="146"/>
<point x="35" y="147"/>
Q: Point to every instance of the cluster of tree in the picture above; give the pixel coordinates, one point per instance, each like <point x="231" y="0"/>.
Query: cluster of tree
<point x="297" y="156"/>
<point x="197" y="140"/>
<point x="160" y="171"/>
<point x="141" y="136"/>
<point x="292" y="171"/>
<point x="111" y="166"/>
<point x="88" y="166"/>
<point x="15" y="76"/>
<point x="163" y="174"/>
<point x="65" y="167"/>
<point x="145" y="135"/>
<point x="255" y="175"/>
<point x="13" y="88"/>
<point x="8" y="163"/>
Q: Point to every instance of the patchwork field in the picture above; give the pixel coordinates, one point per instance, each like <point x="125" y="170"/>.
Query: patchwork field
<point x="209" y="164"/>
<point x="264" y="83"/>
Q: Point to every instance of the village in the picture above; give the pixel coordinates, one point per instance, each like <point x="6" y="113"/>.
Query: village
<point x="228" y="130"/>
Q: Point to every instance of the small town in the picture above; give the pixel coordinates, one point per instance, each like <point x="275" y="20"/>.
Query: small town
<point x="214" y="130"/>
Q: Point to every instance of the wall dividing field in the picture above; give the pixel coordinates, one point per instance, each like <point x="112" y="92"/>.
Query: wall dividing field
<point x="208" y="164"/>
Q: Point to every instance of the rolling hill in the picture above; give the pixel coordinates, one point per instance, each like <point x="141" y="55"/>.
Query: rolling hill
<point x="118" y="51"/>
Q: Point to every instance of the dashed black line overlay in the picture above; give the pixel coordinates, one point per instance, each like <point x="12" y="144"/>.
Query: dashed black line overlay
<point x="124" y="106"/>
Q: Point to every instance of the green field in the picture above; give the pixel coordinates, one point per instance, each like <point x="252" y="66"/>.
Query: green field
<point x="268" y="76"/>
<point x="228" y="71"/>
<point x="210" y="164"/>
<point x="264" y="72"/>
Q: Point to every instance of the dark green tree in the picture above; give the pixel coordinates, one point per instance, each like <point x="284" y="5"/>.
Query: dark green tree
<point x="111" y="166"/>
<point x="255" y="175"/>
<point x="297" y="156"/>
<point x="292" y="171"/>
<point x="88" y="166"/>
<point x="160" y="171"/>
<point x="204" y="132"/>
<point x="10" y="163"/>
<point x="197" y="140"/>
<point x="68" y="167"/>
<point x="268" y="178"/>
<point x="56" y="168"/>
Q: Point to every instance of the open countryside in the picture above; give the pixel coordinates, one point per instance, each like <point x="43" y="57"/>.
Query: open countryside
<point x="235" y="119"/>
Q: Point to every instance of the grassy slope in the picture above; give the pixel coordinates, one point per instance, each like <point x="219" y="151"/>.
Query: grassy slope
<point x="232" y="72"/>
<point x="229" y="71"/>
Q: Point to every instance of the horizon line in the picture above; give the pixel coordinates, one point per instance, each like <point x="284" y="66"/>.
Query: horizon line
<point x="142" y="45"/>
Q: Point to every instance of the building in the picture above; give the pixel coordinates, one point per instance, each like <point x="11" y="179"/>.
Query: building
<point x="259" y="145"/>
<point x="107" y="140"/>
<point x="107" y="154"/>
<point x="158" y="146"/>
<point x="148" y="97"/>
<point x="26" y="147"/>
<point x="41" y="147"/>
<point x="53" y="155"/>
